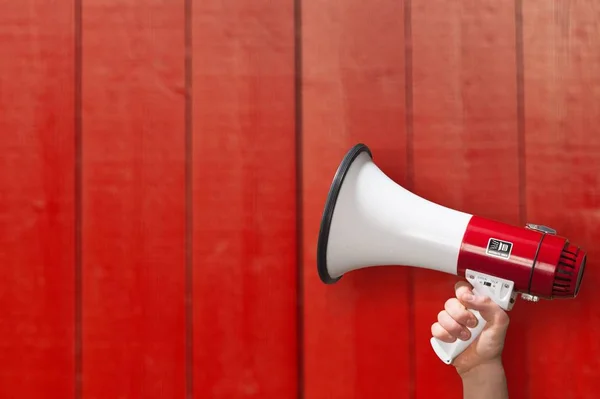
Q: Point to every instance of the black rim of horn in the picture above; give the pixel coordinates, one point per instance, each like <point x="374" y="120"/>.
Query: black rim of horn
<point x="332" y="197"/>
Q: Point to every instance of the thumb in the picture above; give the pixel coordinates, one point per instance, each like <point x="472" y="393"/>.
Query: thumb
<point x="489" y="310"/>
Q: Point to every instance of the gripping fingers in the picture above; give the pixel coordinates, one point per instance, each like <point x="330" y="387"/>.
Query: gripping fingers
<point x="458" y="312"/>
<point x="440" y="333"/>
<point x="453" y="327"/>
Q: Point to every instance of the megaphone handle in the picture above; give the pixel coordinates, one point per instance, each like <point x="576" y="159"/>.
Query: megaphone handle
<point x="499" y="290"/>
<point x="447" y="352"/>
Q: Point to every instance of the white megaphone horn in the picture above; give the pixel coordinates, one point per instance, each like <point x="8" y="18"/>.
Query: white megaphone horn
<point x="369" y="220"/>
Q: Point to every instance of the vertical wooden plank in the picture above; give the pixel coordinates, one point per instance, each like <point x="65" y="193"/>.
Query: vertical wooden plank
<point x="562" y="79"/>
<point x="244" y="198"/>
<point x="37" y="199"/>
<point x="356" y="331"/>
<point x="465" y="151"/>
<point x="133" y="199"/>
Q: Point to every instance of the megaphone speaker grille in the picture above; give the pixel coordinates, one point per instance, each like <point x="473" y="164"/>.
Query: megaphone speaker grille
<point x="327" y="217"/>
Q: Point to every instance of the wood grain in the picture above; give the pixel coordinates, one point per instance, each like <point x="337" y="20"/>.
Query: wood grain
<point x="244" y="196"/>
<point x="356" y="331"/>
<point x="37" y="225"/>
<point x="562" y="67"/>
<point x="448" y="107"/>
<point x="465" y="151"/>
<point x="133" y="200"/>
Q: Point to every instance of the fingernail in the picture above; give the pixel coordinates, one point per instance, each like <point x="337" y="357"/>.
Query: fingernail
<point x="464" y="335"/>
<point x="472" y="323"/>
<point x="468" y="297"/>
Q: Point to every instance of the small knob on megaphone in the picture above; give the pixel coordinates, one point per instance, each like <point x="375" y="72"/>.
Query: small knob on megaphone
<point x="530" y="298"/>
<point x="540" y="228"/>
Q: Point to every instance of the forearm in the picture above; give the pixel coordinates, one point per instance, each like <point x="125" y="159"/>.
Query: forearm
<point x="485" y="381"/>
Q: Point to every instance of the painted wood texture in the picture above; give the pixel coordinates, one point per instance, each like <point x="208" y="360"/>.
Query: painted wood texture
<point x="244" y="198"/>
<point x="133" y="200"/>
<point x="438" y="90"/>
<point x="37" y="230"/>
<point x="562" y="70"/>
<point x="356" y="331"/>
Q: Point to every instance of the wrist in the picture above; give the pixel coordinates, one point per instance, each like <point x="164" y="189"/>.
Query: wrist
<point x="482" y="370"/>
<point x="486" y="380"/>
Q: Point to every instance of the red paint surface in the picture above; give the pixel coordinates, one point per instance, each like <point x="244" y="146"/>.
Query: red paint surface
<point x="465" y="151"/>
<point x="357" y="330"/>
<point x="244" y="189"/>
<point x="133" y="200"/>
<point x="356" y="340"/>
<point x="37" y="247"/>
<point x="562" y="67"/>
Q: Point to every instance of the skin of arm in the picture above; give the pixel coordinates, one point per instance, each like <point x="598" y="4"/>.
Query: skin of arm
<point x="480" y="365"/>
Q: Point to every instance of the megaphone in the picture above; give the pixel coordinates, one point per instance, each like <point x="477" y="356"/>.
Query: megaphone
<point x="369" y="220"/>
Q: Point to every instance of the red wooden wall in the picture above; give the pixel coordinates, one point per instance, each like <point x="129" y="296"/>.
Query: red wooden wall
<point x="164" y="165"/>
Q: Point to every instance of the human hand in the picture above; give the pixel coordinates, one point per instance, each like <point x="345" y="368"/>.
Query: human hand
<point x="452" y="325"/>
